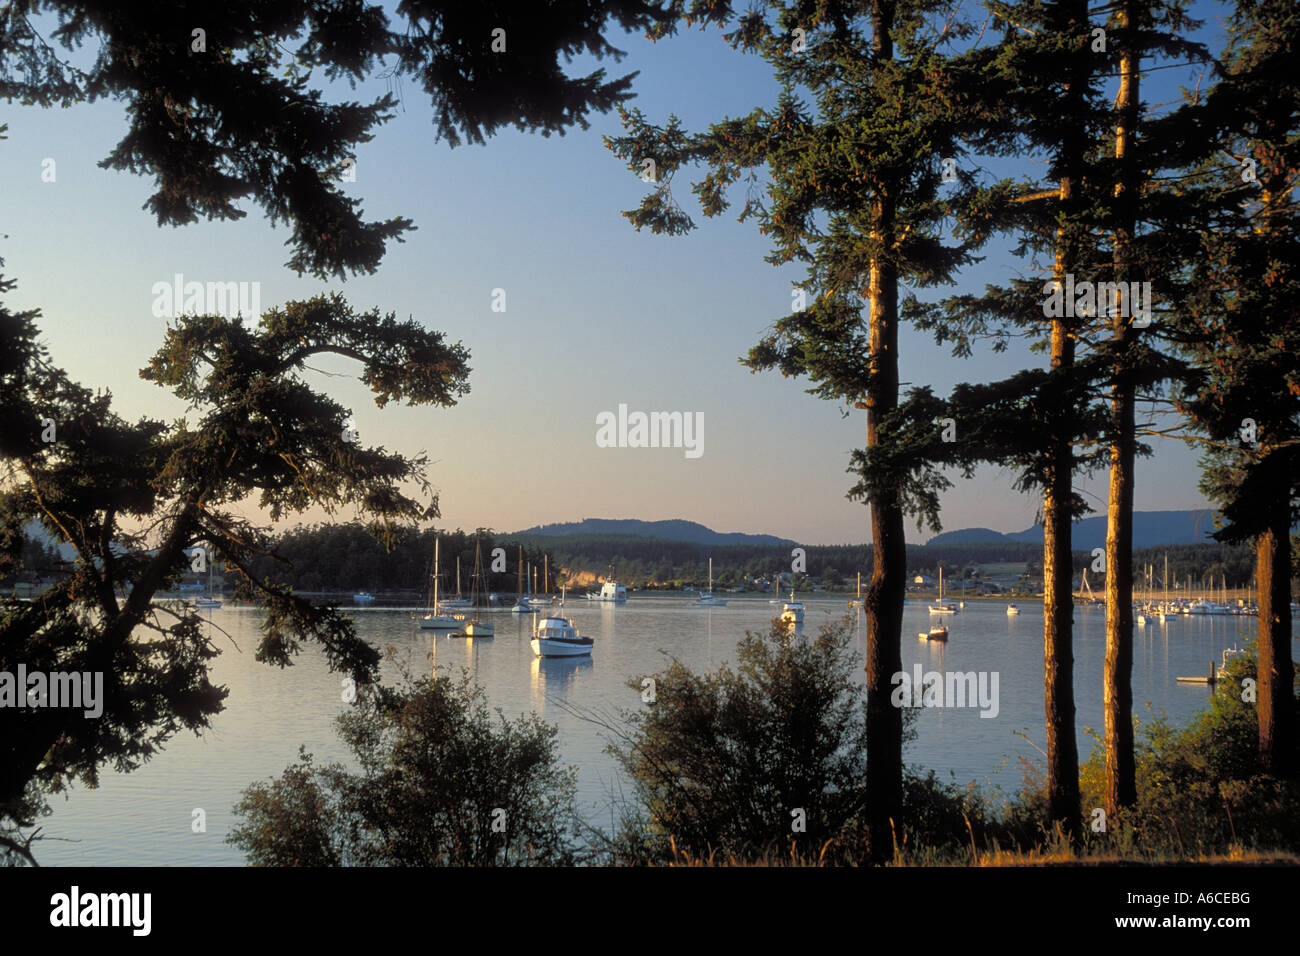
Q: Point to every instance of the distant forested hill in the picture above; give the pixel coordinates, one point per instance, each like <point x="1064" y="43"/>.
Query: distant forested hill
<point x="674" y="530"/>
<point x="1151" y="529"/>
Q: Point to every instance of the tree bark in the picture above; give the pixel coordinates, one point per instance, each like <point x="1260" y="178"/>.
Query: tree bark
<point x="885" y="597"/>
<point x="1121" y="771"/>
<point x="1058" y="611"/>
<point x="1276" y="672"/>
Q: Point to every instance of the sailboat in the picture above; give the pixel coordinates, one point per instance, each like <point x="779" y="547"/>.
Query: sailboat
<point x="522" y="603"/>
<point x="457" y="603"/>
<point x="208" y="601"/>
<point x="434" y="621"/>
<point x="1164" y="614"/>
<point x="476" y="626"/>
<point x="937" y="632"/>
<point x="857" y="602"/>
<point x="707" y="599"/>
<point x="545" y="599"/>
<point x="942" y="607"/>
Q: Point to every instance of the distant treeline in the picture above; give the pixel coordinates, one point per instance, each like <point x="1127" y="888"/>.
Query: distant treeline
<point x="345" y="557"/>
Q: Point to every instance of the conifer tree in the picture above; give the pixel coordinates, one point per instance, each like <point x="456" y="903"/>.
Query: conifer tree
<point x="226" y="104"/>
<point x="1241" y="328"/>
<point x="862" y="183"/>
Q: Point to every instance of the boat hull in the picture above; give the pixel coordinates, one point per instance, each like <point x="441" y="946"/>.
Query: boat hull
<point x="562" y="647"/>
<point x="439" y="622"/>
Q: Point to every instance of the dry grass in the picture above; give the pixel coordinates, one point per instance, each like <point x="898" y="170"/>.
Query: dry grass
<point x="1046" y="856"/>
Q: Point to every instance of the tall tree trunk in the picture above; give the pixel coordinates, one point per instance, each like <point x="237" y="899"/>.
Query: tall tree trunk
<point x="1058" y="608"/>
<point x="1276" y="675"/>
<point x="884" y="599"/>
<point x="1121" y="772"/>
<point x="1276" y="672"/>
<point x="884" y="602"/>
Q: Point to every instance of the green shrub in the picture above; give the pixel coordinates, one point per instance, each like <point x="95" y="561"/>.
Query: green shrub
<point x="752" y="762"/>
<point x="441" y="782"/>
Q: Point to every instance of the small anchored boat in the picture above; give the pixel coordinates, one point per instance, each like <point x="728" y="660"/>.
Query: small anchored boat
<point x="477" y="626"/>
<point x="942" y="607"/>
<point x="557" y="637"/>
<point x="936" y="633"/>
<point x="707" y="599"/>
<point x="434" y="621"/>
<point x="792" y="612"/>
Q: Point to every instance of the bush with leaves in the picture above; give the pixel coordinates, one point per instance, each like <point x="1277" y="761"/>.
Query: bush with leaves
<point x="721" y="762"/>
<point x="1201" y="788"/>
<point x="441" y="783"/>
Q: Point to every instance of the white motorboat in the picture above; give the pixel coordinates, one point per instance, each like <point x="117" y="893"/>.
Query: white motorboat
<point x="936" y="633"/>
<point x="436" y="620"/>
<point x="362" y="597"/>
<point x="557" y="637"/>
<point x="1012" y="610"/>
<point x="707" y="599"/>
<point x="942" y="607"/>
<point x="611" y="592"/>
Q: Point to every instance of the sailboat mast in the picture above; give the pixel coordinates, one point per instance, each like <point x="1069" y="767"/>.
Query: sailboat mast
<point x="435" y="575"/>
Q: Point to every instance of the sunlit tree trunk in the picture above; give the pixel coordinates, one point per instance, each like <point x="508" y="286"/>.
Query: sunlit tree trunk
<point x="884" y="601"/>
<point x="1121" y="773"/>
<point x="1276" y="707"/>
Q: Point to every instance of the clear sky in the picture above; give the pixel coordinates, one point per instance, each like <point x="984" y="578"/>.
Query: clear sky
<point x="597" y="315"/>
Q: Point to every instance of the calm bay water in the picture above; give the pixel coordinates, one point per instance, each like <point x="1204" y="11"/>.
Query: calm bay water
<point x="144" y="818"/>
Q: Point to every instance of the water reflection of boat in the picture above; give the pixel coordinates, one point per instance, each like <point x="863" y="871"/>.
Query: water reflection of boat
<point x="554" y="674"/>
